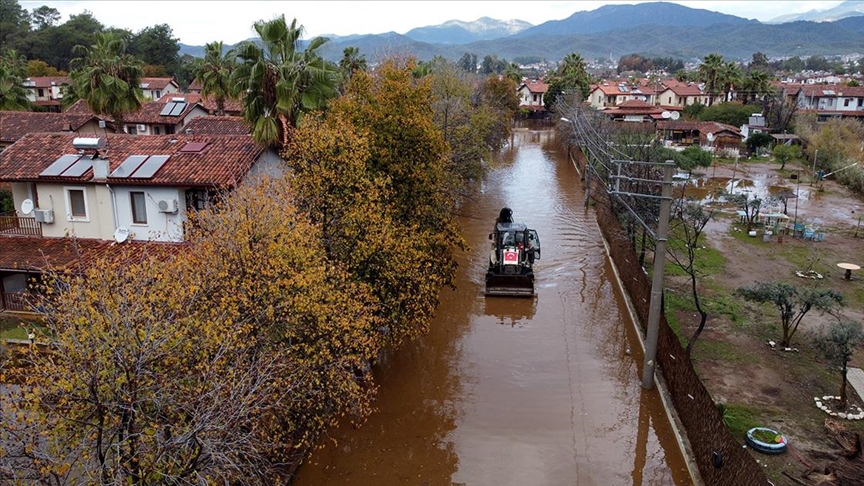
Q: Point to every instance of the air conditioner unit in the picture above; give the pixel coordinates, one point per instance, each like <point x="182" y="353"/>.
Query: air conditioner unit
<point x="142" y="128"/>
<point x="44" y="215"/>
<point x="168" y="206"/>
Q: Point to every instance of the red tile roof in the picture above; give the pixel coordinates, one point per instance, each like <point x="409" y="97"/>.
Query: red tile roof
<point x="16" y="124"/>
<point x="232" y="107"/>
<point x="217" y="125"/>
<point x="701" y="126"/>
<point x="536" y="87"/>
<point x="150" y="114"/>
<point x="223" y="161"/>
<point x="633" y="107"/>
<point x="30" y="253"/>
<point x="687" y="90"/>
<point x="195" y="85"/>
<point x="157" y="83"/>
<point x="79" y="106"/>
<point x="47" y="81"/>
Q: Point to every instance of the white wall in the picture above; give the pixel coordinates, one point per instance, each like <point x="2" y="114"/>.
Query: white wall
<point x="99" y="221"/>
<point x="160" y="226"/>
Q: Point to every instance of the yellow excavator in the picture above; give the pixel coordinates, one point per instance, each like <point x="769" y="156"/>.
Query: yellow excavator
<point x="515" y="248"/>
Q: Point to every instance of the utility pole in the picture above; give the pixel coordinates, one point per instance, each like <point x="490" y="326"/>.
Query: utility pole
<point x="657" y="279"/>
<point x="813" y="171"/>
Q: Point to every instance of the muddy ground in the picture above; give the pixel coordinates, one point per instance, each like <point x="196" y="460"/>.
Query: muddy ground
<point x="738" y="366"/>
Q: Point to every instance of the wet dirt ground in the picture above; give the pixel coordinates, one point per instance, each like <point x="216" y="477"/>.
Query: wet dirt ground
<point x="503" y="391"/>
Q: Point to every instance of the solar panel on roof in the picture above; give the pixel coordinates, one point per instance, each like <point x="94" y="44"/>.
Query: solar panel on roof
<point x="178" y="108"/>
<point x="78" y="168"/>
<point x="60" y="165"/>
<point x="193" y="147"/>
<point x="166" y="110"/>
<point x="150" y="167"/>
<point x="129" y="165"/>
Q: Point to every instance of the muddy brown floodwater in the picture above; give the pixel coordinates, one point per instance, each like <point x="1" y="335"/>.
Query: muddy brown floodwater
<point x="508" y="391"/>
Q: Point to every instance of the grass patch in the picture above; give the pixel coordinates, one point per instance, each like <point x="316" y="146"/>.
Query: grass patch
<point x="14" y="327"/>
<point x="725" y="351"/>
<point x="739" y="418"/>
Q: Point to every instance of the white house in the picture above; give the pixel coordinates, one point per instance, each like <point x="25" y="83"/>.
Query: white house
<point x="155" y="88"/>
<point x="531" y="95"/>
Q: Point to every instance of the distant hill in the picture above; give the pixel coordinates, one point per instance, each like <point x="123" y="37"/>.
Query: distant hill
<point x="849" y="8"/>
<point x="616" y="17"/>
<point x="653" y="29"/>
<point x="459" y="32"/>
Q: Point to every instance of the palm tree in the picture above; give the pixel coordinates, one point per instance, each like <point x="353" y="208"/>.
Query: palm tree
<point x="709" y="73"/>
<point x="352" y="61"/>
<point x="730" y="76"/>
<point x="108" y="78"/>
<point x="758" y="83"/>
<point x="214" y="74"/>
<point x="279" y="83"/>
<point x="13" y="72"/>
<point x="512" y="71"/>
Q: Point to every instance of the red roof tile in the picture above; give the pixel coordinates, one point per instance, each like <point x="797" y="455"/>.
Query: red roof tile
<point x="232" y="107"/>
<point x="16" y="124"/>
<point x="536" y="87"/>
<point x="29" y="253"/>
<point x="217" y="125"/>
<point x="157" y="83"/>
<point x="150" y="114"/>
<point x="701" y="126"/>
<point x="224" y="160"/>
<point x="79" y="106"/>
<point x="47" y="81"/>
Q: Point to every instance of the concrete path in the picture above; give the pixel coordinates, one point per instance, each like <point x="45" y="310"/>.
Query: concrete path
<point x="855" y="377"/>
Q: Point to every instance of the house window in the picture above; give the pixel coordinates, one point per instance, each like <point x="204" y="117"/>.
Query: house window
<point x="139" y="207"/>
<point x="158" y="94"/>
<point x="169" y="129"/>
<point x="846" y="102"/>
<point x="155" y="130"/>
<point x="41" y="92"/>
<point x="76" y="202"/>
<point x="131" y="130"/>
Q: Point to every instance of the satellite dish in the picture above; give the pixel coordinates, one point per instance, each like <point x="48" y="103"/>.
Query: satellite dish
<point x="121" y="234"/>
<point x="666" y="114"/>
<point x="675" y="115"/>
<point x="26" y="206"/>
<point x="710" y="137"/>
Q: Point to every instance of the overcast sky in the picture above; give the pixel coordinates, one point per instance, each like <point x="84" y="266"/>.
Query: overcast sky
<point x="200" y="22"/>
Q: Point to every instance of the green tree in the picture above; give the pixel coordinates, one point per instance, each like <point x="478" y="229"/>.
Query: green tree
<point x="758" y="140"/>
<point x="731" y="76"/>
<point x="792" y="302"/>
<point x="35" y="67"/>
<point x="55" y="45"/>
<point x="693" y="157"/>
<point x="757" y="85"/>
<point x="571" y="77"/>
<point x="214" y="74"/>
<point x="711" y="73"/>
<point x="280" y="83"/>
<point x="44" y="17"/>
<point x="731" y="113"/>
<point x="13" y="72"/>
<point x="786" y="153"/>
<point x="108" y="78"/>
<point x="156" y="46"/>
<point x="468" y="62"/>
<point x="513" y="72"/>
<point x="759" y="62"/>
<point x="838" y="344"/>
<point x="686" y="229"/>
<point x="750" y="206"/>
<point x="352" y="61"/>
<point x="14" y="23"/>
<point x="492" y="65"/>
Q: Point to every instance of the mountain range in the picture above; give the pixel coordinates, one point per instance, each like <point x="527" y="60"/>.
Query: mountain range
<point x="657" y="29"/>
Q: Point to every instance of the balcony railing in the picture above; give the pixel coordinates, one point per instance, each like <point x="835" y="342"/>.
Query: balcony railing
<point x="14" y="225"/>
<point x="15" y="301"/>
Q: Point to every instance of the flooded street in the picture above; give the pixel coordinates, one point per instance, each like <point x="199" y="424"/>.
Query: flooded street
<point x="508" y="391"/>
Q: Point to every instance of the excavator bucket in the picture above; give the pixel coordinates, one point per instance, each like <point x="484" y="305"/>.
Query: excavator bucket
<point x="509" y="286"/>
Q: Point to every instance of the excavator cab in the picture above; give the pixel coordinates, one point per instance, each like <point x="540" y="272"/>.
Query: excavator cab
<point x="515" y="248"/>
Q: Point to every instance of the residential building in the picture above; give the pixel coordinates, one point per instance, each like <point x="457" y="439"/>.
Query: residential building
<point x="712" y="136"/>
<point x="826" y="100"/>
<point x="118" y="189"/>
<point x="232" y="107"/>
<point x="531" y="95"/>
<point x="163" y="117"/>
<point x="155" y="88"/>
<point x="635" y="111"/>
<point x="16" y="124"/>
<point x="684" y="94"/>
<point x="610" y="93"/>
<point x="46" y="91"/>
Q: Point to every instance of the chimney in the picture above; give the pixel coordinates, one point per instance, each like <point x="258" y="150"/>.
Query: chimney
<point x="100" y="169"/>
